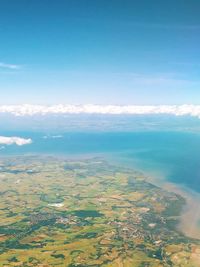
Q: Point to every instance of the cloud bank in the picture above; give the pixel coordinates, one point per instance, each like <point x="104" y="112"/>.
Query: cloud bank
<point x="31" y="110"/>
<point x="4" y="140"/>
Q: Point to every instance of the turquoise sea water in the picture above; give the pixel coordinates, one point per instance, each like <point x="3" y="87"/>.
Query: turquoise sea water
<point x="172" y="155"/>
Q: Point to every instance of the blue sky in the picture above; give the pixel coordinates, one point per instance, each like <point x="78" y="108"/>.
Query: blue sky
<point x="100" y="52"/>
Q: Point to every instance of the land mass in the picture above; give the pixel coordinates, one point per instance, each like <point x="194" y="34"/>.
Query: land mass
<point x="58" y="212"/>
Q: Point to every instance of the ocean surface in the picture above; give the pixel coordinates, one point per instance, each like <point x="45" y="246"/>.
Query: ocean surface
<point x="172" y="156"/>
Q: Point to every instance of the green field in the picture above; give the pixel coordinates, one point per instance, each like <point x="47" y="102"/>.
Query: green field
<point x="56" y="212"/>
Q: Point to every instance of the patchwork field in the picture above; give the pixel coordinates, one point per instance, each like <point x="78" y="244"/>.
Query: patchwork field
<point x="57" y="212"/>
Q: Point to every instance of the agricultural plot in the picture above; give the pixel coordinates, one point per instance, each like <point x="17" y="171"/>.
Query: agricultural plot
<point x="56" y="212"/>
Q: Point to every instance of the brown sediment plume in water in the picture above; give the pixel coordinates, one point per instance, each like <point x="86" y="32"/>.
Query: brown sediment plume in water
<point x="189" y="223"/>
<point x="190" y="217"/>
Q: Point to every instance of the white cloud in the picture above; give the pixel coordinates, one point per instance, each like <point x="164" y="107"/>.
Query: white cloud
<point x="4" y="140"/>
<point x="52" y="136"/>
<point x="9" y="66"/>
<point x="30" y="110"/>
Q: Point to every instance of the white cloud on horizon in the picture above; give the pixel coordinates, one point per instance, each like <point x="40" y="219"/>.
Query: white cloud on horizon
<point x="5" y="140"/>
<point x="9" y="66"/>
<point x="52" y="136"/>
<point x="31" y="110"/>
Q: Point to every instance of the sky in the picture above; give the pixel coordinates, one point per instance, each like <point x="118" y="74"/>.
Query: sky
<point x="103" y="52"/>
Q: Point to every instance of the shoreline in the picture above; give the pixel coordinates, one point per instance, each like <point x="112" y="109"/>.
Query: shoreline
<point x="189" y="222"/>
<point x="189" y="219"/>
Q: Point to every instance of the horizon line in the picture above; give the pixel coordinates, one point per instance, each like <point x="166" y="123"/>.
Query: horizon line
<point x="61" y="109"/>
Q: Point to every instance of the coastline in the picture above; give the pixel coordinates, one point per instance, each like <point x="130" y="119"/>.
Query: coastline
<point x="189" y="220"/>
<point x="189" y="223"/>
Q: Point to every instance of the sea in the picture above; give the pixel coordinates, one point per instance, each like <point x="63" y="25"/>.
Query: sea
<point x="169" y="159"/>
<point x="170" y="156"/>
